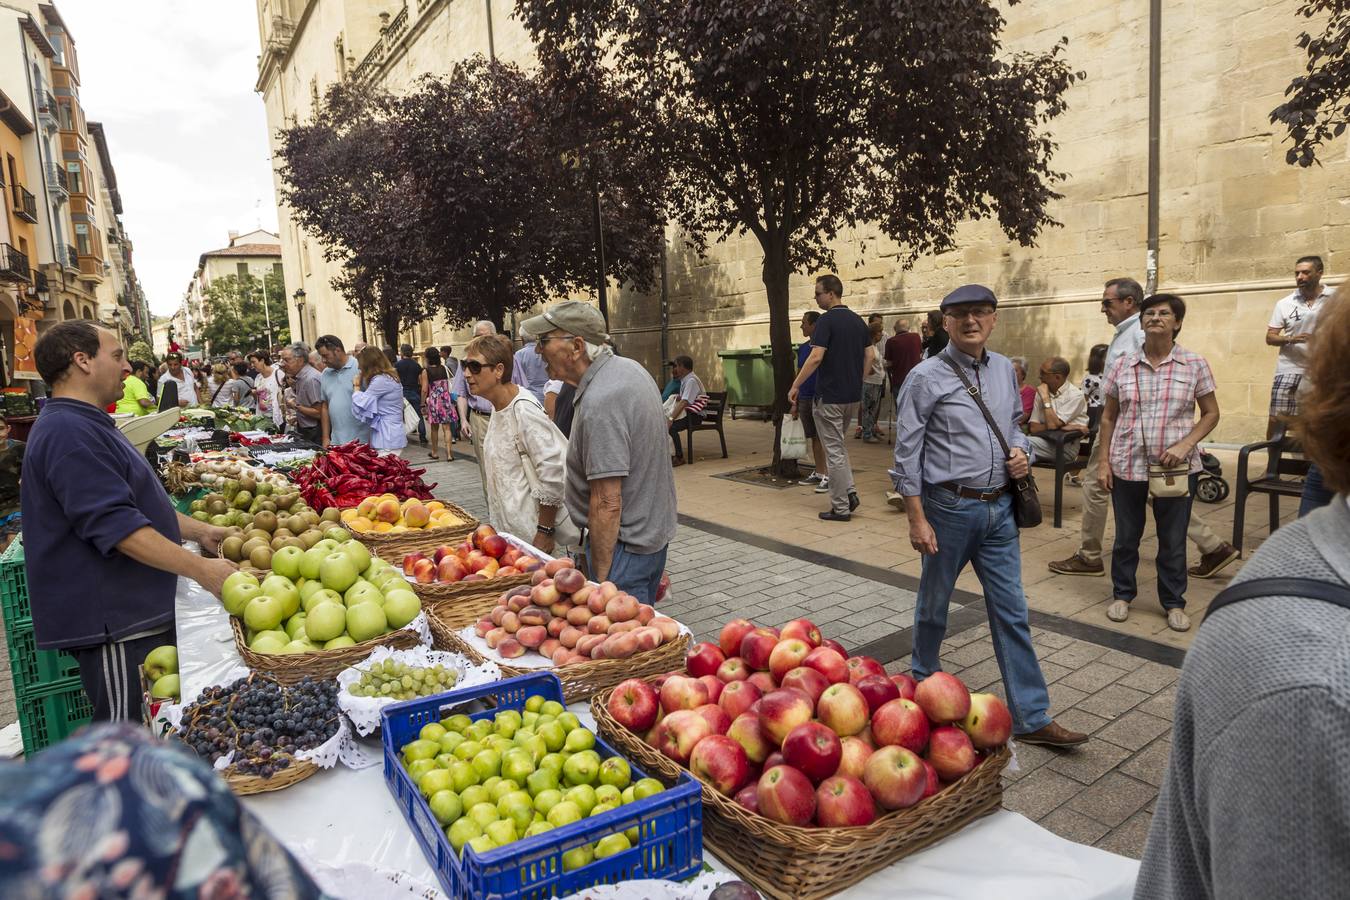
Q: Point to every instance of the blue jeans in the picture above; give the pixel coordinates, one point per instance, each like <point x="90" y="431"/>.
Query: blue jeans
<point x="1315" y="494"/>
<point x="638" y="574"/>
<point x="984" y="535"/>
<point x="415" y="398"/>
<point x="1171" y="518"/>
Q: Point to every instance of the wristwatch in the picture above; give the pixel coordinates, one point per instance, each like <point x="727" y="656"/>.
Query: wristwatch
<point x="544" y="529"/>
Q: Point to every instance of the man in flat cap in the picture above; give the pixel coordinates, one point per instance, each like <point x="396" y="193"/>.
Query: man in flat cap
<point x="951" y="469"/>
<point x="620" y="485"/>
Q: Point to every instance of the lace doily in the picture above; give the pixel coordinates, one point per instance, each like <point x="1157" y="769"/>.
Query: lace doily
<point x="697" y="888"/>
<point x="364" y="712"/>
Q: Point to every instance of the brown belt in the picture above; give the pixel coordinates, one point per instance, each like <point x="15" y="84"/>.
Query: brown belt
<point x="972" y="493"/>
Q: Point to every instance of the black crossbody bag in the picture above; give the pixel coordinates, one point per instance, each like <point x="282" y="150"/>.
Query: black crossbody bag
<point x="1026" y="506"/>
<point x="1310" y="588"/>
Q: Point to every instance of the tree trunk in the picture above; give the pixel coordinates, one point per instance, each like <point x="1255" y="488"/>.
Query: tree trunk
<point x="780" y="336"/>
<point x="389" y="321"/>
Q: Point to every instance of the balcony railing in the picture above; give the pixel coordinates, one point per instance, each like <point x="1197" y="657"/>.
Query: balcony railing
<point x="72" y="260"/>
<point x="48" y="115"/>
<point x="14" y="264"/>
<point x="25" y="204"/>
<point x="56" y="185"/>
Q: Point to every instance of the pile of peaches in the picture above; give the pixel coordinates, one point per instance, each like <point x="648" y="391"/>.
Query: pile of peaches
<point x="483" y="555"/>
<point x="387" y="515"/>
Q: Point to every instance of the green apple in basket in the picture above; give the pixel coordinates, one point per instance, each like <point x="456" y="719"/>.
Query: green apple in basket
<point x="310" y="561"/>
<point x="366" y="621"/>
<point x="284" y="590"/>
<point x="326" y="621"/>
<point x="362" y="591"/>
<point x="400" y="607"/>
<point x="161" y="661"/>
<point x="337" y="571"/>
<point x="239" y="588"/>
<point x="286" y="562"/>
<point x="322" y="595"/>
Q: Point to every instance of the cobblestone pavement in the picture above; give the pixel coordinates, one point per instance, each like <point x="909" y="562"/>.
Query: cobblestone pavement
<point x="1102" y="794"/>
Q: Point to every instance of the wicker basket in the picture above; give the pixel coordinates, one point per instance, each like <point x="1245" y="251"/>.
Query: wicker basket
<point x="453" y="615"/>
<point x="289" y="668"/>
<point x="579" y="680"/>
<point x="298" y="770"/>
<point x="392" y="547"/>
<point x="791" y="862"/>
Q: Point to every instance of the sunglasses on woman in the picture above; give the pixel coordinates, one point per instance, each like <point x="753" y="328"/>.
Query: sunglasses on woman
<point x="474" y="366"/>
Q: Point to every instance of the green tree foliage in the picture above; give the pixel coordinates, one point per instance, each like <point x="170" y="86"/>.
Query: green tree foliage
<point x="141" y="350"/>
<point x="236" y="319"/>
<point x="794" y="119"/>
<point x="1318" y="106"/>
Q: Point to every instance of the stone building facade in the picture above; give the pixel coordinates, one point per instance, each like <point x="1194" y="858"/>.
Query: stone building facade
<point x="1233" y="216"/>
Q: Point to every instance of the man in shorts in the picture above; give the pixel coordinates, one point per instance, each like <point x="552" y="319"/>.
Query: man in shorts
<point x="1291" y="325"/>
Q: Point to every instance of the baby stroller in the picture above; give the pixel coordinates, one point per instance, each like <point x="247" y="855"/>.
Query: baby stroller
<point x="1211" y="488"/>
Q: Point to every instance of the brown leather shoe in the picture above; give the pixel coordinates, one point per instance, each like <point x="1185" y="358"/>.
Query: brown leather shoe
<point x="1076" y="565"/>
<point x="1053" y="735"/>
<point x="1211" y="563"/>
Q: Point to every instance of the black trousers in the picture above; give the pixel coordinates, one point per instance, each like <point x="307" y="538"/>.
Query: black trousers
<point x="111" y="678"/>
<point x="681" y="426"/>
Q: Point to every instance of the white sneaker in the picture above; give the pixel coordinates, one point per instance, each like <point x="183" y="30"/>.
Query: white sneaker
<point x="814" y="476"/>
<point x="824" y="486"/>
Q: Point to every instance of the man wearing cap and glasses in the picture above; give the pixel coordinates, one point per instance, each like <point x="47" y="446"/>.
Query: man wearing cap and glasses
<point x="954" y="476"/>
<point x="620" y="485"/>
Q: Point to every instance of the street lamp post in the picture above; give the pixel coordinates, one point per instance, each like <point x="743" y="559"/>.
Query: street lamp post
<point x="299" y="297"/>
<point x="267" y="314"/>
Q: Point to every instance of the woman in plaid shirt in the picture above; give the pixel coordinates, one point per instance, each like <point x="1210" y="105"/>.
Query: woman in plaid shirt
<point x="1149" y="418"/>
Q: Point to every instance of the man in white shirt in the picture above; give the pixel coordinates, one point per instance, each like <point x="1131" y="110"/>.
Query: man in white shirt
<point x="1290" y="327"/>
<point x="689" y="404"/>
<point x="187" y="389"/>
<point x="1059" y="406"/>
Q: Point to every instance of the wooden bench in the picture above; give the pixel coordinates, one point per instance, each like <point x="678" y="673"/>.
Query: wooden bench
<point x="711" y="420"/>
<point x="1284" y="476"/>
<point x="1062" y="467"/>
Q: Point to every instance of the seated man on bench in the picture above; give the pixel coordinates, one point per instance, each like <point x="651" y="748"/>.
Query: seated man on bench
<point x="1059" y="405"/>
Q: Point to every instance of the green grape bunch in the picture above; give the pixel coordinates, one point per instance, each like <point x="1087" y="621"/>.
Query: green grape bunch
<point x="400" y="681"/>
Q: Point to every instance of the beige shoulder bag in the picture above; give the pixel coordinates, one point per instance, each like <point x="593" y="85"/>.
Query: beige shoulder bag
<point x="1165" y="481"/>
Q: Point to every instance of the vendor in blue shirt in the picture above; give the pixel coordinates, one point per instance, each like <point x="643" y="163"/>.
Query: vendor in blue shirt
<point x="338" y="423"/>
<point x="100" y="536"/>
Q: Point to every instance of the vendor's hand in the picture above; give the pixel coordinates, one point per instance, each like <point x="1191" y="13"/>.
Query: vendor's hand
<point x="212" y="574"/>
<point x="922" y="537"/>
<point x="1018" y="464"/>
<point x="211" y="536"/>
<point x="544" y="542"/>
<point x="1176" y="454"/>
<point x="1104" y="477"/>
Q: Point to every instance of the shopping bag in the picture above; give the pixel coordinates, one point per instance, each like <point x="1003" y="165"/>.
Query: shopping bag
<point x="410" y="418"/>
<point x="792" y="442"/>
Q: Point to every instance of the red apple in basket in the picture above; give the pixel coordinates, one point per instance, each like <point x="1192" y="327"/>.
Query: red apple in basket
<point x="901" y="723"/>
<point x="410" y="560"/>
<point x="721" y="762"/>
<point x="843" y="709"/>
<point x="906" y="684"/>
<point x="732" y="633"/>
<point x="678" y="733"/>
<point x="787" y="655"/>
<point x="835" y="646"/>
<point x="932" y="784"/>
<point x="943" y="698"/>
<point x="746" y="731"/>
<point x="802" y="629"/>
<point x="853" y="755"/>
<point x="714" y="686"/>
<point x="828" y="663"/>
<point x="756" y="648"/>
<point x="781" y="711"/>
<point x="814" y="749"/>
<point x="703" y="658"/>
<point x="734" y="669"/>
<point x="764" y="681"/>
<point x="737" y="697"/>
<point x="806" y="680"/>
<point x="748" y="797"/>
<point x="715" y="716"/>
<point x="494" y="545"/>
<point x="859" y="667"/>
<point x="481" y="533"/>
<point x="843" y="801"/>
<point x="440" y="553"/>
<point x="877" y="690"/>
<point x="989" y="723"/>
<point x="424" y="571"/>
<point x="679" y="692"/>
<point x="773" y="759"/>
<point x="895" y="777"/>
<point x="634" y="705"/>
<point x="950" y="752"/>
<point x="787" y="796"/>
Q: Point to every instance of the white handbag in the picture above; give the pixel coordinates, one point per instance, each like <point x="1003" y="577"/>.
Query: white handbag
<point x="410" y="418"/>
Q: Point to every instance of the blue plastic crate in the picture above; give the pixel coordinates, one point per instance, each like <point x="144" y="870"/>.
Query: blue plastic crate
<point x="670" y="824"/>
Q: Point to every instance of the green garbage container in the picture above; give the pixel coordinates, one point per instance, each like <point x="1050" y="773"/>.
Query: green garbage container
<point x="749" y="376"/>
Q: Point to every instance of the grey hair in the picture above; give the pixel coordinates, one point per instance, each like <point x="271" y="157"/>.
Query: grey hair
<point x="299" y="349"/>
<point x="491" y="329"/>
<point x="1020" y="362"/>
<point x="593" y="350"/>
<point x="1127" y="289"/>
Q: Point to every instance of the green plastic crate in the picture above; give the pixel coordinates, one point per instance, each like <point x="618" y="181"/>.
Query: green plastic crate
<point x="32" y="667"/>
<point x="14" y="585"/>
<point x="51" y="713"/>
<point x="182" y="503"/>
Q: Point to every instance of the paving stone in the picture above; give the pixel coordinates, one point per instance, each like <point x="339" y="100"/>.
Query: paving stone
<point x="1077" y="654"/>
<point x="1062" y="697"/>
<point x="1040" y="792"/>
<point x="1129" y="838"/>
<point x="1074" y="826"/>
<point x="1053" y="671"/>
<point x="1080" y="720"/>
<point x="1030" y="757"/>
<point x="980" y="676"/>
<point x="1161" y="704"/>
<point x="1121" y="660"/>
<point x="1112" y="701"/>
<point x="1089" y="761"/>
<point x="1051" y="639"/>
<point x="1135" y="730"/>
<point x="1151" y="677"/>
<point x="1150" y="764"/>
<point x="1092" y="677"/>
<point x="960" y="639"/>
<point x="1113" y="799"/>
<point x="970" y="654"/>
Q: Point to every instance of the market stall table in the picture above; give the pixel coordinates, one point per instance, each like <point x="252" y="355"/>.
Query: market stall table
<point x="345" y="818"/>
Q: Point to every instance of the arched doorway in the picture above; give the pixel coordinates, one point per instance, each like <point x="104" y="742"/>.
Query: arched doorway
<point x="67" y="311"/>
<point x="88" y="313"/>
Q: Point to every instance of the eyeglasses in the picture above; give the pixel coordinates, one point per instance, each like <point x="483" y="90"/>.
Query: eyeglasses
<point x="979" y="312"/>
<point x="554" y="337"/>
<point x="1158" y="312"/>
<point x="475" y="367"/>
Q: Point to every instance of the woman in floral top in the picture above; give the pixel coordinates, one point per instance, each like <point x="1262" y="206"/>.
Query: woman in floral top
<point x="1149" y="419"/>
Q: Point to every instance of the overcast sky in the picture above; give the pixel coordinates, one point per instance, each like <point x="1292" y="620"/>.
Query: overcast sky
<point x="172" y="83"/>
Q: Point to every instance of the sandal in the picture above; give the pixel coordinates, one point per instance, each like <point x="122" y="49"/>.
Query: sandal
<point x="1177" y="620"/>
<point x="1118" y="611"/>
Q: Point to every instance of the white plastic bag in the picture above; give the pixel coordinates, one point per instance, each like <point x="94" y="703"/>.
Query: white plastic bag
<point x="410" y="418"/>
<point x="792" y="442"/>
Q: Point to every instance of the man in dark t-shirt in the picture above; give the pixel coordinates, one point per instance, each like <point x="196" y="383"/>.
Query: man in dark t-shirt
<point x="841" y="352"/>
<point x="410" y="375"/>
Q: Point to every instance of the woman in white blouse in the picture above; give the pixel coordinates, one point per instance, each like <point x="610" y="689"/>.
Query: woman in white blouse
<point x="524" y="453"/>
